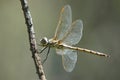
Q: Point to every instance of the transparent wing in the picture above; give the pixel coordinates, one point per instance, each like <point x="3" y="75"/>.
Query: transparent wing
<point x="74" y="33"/>
<point x="64" y="23"/>
<point x="69" y="58"/>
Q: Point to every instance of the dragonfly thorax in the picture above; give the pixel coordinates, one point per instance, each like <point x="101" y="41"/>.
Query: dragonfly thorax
<point x="55" y="43"/>
<point x="44" y="41"/>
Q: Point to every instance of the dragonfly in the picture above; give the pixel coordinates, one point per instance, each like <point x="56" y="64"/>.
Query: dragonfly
<point x="67" y="34"/>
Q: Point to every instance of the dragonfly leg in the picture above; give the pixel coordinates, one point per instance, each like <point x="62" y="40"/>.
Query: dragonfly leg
<point x="43" y="49"/>
<point x="46" y="55"/>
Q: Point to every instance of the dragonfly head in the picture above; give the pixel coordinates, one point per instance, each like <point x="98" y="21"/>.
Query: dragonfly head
<point x="44" y="41"/>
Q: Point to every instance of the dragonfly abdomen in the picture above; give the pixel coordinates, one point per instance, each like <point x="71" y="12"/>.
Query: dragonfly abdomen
<point x="87" y="51"/>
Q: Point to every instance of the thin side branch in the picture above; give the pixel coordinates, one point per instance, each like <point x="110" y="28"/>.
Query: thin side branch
<point x="32" y="41"/>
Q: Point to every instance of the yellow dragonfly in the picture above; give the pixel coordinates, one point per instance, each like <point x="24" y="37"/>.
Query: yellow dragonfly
<point x="66" y="35"/>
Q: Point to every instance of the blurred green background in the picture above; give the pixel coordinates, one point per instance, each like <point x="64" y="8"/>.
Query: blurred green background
<point x="101" y="32"/>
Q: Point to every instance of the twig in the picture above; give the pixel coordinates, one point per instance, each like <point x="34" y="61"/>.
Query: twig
<point x="32" y="41"/>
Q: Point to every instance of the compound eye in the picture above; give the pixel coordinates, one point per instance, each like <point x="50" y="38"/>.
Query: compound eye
<point x="44" y="41"/>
